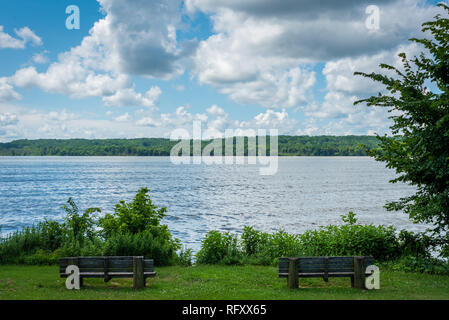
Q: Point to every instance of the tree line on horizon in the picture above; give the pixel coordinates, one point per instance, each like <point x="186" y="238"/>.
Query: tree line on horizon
<point x="287" y="146"/>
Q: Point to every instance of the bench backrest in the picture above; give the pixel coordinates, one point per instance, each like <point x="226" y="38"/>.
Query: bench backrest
<point x="100" y="264"/>
<point x="323" y="264"/>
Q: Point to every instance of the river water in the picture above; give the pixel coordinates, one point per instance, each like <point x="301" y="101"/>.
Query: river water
<point x="306" y="192"/>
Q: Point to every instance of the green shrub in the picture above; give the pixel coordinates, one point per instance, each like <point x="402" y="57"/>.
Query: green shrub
<point x="52" y="235"/>
<point x="264" y="248"/>
<point x="133" y="229"/>
<point x="17" y="245"/>
<point x="420" y="264"/>
<point x="139" y="215"/>
<point x="80" y="227"/>
<point x="349" y="239"/>
<point x="161" y="249"/>
<point x="219" y="248"/>
<point x="253" y="240"/>
<point x="184" y="257"/>
<point x="41" y="257"/>
<point x="416" y="244"/>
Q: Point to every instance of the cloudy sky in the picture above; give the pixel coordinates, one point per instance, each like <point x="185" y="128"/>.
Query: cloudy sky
<point x="141" y="68"/>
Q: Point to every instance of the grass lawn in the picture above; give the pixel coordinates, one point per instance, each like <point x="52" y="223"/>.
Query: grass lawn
<point x="215" y="282"/>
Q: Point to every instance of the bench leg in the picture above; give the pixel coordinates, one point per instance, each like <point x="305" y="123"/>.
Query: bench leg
<point x="359" y="273"/>
<point x="292" y="280"/>
<point x="138" y="276"/>
<point x="81" y="282"/>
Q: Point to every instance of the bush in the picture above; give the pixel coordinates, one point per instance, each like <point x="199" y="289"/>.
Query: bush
<point x="79" y="227"/>
<point x="420" y="264"/>
<point x="137" y="216"/>
<point x="161" y="249"/>
<point x="349" y="239"/>
<point x="219" y="248"/>
<point x="52" y="235"/>
<point x="265" y="249"/>
<point x="185" y="257"/>
<point x="133" y="229"/>
<point x="16" y="246"/>
<point x="41" y="257"/>
<point x="416" y="244"/>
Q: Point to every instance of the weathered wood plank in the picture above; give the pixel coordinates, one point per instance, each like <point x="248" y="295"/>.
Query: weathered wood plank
<point x="292" y="281"/>
<point x="325" y="267"/>
<point x="111" y="274"/>
<point x="318" y="274"/>
<point x="113" y="262"/>
<point x="138" y="278"/>
<point x="108" y="267"/>
<point x="359" y="273"/>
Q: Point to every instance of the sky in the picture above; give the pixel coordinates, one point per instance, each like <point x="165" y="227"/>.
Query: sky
<point x="141" y="68"/>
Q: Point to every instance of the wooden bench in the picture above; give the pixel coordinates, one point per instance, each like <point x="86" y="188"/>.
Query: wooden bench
<point x="109" y="267"/>
<point x="324" y="267"/>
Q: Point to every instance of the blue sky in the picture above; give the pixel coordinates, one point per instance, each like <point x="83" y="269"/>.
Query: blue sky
<point x="142" y="69"/>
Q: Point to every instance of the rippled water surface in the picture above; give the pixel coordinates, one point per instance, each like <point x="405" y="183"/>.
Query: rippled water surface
<point x="306" y="192"/>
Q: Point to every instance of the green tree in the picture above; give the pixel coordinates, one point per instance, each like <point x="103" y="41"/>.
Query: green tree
<point x="419" y="146"/>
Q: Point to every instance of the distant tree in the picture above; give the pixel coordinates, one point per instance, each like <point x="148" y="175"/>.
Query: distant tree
<point x="419" y="147"/>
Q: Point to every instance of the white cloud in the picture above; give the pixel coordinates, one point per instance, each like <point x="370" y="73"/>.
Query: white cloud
<point x="215" y="110"/>
<point x="271" y="117"/>
<point x="136" y="38"/>
<point x="71" y="79"/>
<point x="337" y="113"/>
<point x="18" y="123"/>
<point x="123" y="118"/>
<point x="128" y="97"/>
<point x="141" y="35"/>
<point x="340" y="73"/>
<point x="61" y="116"/>
<point x="229" y="63"/>
<point x="40" y="58"/>
<point x="26" y="36"/>
<point x="216" y="121"/>
<point x="7" y="92"/>
<point x="7" y="119"/>
<point x="259" y="50"/>
<point x="148" y="122"/>
<point x="313" y="31"/>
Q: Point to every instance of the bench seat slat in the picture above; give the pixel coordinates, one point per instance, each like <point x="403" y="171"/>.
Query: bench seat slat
<point x="330" y="270"/>
<point x="106" y="267"/>
<point x="319" y="274"/>
<point x="84" y="270"/>
<point x="112" y="264"/>
<point x="111" y="274"/>
<point x="322" y="267"/>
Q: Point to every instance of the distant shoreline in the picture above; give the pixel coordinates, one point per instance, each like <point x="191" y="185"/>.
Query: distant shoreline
<point x="163" y="156"/>
<point x="287" y="146"/>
